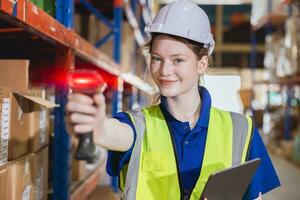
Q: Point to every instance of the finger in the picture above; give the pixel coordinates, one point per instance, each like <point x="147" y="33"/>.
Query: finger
<point x="99" y="100"/>
<point x="80" y="98"/>
<point x="73" y="106"/>
<point x="77" y="118"/>
<point x="83" y="128"/>
<point x="69" y="126"/>
<point x="103" y="87"/>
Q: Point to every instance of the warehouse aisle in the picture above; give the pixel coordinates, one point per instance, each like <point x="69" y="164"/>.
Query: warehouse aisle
<point x="289" y="175"/>
<point x="103" y="193"/>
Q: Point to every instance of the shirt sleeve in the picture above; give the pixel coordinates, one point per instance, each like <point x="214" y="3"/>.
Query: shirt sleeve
<point x="265" y="178"/>
<point x="116" y="159"/>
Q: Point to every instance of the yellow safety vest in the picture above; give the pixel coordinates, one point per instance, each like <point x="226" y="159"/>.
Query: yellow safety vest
<point x="152" y="171"/>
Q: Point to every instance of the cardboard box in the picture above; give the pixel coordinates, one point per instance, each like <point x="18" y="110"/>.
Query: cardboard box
<point x="78" y="166"/>
<point x="5" y="106"/>
<point x="19" y="127"/>
<point x="3" y="183"/>
<point x="20" y="176"/>
<point x="246" y="97"/>
<point x="40" y="174"/>
<point x="38" y="122"/>
<point x="78" y="170"/>
<point x="14" y="74"/>
<point x="23" y="123"/>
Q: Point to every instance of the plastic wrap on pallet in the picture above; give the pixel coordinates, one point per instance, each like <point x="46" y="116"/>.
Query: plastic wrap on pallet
<point x="261" y="9"/>
<point x="292" y="44"/>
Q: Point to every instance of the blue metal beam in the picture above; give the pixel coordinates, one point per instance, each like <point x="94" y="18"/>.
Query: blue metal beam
<point x="62" y="143"/>
<point x="68" y="13"/>
<point x="65" y="12"/>
<point x="104" y="39"/>
<point x="118" y="16"/>
<point x="62" y="149"/>
<point x="287" y="115"/>
<point x="59" y="11"/>
<point x="97" y="13"/>
<point x="117" y="97"/>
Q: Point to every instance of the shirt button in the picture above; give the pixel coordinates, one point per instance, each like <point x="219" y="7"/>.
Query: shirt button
<point x="185" y="127"/>
<point x="186" y="142"/>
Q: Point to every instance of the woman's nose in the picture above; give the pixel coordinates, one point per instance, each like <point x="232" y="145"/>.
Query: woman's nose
<point x="166" y="68"/>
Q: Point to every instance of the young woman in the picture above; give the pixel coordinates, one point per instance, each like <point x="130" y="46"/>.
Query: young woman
<point x="168" y="150"/>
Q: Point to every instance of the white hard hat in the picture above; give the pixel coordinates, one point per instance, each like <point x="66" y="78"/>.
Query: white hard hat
<point x="186" y="19"/>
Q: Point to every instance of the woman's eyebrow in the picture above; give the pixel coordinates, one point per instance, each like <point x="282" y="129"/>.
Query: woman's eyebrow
<point x="178" y="54"/>
<point x="172" y="56"/>
<point x="156" y="54"/>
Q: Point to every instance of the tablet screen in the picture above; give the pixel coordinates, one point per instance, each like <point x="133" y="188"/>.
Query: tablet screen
<point x="230" y="183"/>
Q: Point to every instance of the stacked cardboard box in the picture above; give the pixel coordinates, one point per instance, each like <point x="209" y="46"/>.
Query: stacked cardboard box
<point x="26" y="177"/>
<point x="3" y="183"/>
<point x="38" y="122"/>
<point x="40" y="174"/>
<point x="5" y="123"/>
<point x="24" y="131"/>
<point x="28" y="117"/>
<point x="20" y="176"/>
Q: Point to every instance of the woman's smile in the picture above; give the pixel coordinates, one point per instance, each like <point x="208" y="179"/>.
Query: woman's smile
<point x="166" y="82"/>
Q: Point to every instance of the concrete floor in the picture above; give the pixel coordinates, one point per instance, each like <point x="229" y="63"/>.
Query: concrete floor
<point x="103" y="193"/>
<point x="289" y="176"/>
<point x="288" y="173"/>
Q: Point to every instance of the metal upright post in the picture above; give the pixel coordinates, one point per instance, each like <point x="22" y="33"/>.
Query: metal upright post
<point x="134" y="92"/>
<point x="62" y="148"/>
<point x="65" y="12"/>
<point x="287" y="116"/>
<point x="117" y="97"/>
<point x="62" y="144"/>
<point x="118" y="18"/>
<point x="252" y="60"/>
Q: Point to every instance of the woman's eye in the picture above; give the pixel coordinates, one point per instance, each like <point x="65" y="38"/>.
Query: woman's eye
<point x="155" y="58"/>
<point x="178" y="60"/>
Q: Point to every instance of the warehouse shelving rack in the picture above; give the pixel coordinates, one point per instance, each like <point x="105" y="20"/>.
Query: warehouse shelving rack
<point x="28" y="32"/>
<point x="276" y="16"/>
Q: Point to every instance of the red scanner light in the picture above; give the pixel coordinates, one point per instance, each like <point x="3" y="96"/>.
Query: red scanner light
<point x="85" y="80"/>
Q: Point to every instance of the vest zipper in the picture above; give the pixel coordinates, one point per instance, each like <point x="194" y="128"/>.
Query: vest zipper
<point x="184" y="195"/>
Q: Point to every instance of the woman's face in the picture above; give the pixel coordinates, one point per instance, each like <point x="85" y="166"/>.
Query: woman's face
<point x="174" y="66"/>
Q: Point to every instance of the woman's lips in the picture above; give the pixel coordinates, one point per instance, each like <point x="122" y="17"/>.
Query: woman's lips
<point x="167" y="82"/>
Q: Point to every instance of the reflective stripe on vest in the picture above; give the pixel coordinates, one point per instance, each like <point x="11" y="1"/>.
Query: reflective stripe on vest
<point x="152" y="170"/>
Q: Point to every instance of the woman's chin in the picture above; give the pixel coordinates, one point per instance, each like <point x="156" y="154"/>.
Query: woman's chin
<point x="169" y="93"/>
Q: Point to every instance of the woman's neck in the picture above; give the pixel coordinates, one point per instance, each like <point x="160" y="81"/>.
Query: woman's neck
<point x="185" y="107"/>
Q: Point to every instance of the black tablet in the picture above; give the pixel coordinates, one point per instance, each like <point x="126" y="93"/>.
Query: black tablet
<point x="230" y="183"/>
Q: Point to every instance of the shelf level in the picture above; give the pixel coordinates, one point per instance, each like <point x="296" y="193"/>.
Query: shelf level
<point x="84" y="187"/>
<point x="27" y="17"/>
<point x="290" y="80"/>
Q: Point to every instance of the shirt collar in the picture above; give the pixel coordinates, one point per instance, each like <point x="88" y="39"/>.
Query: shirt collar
<point x="204" y="112"/>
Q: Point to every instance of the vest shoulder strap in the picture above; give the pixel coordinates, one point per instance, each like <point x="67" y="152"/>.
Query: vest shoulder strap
<point x="138" y="119"/>
<point x="242" y="134"/>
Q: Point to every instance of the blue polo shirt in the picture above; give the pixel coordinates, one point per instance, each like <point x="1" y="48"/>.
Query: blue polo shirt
<point x="190" y="144"/>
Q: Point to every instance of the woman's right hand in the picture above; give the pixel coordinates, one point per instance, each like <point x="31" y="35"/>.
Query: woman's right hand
<point x="85" y="113"/>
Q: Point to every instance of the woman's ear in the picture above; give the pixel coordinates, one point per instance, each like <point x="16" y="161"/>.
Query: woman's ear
<point x="202" y="65"/>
